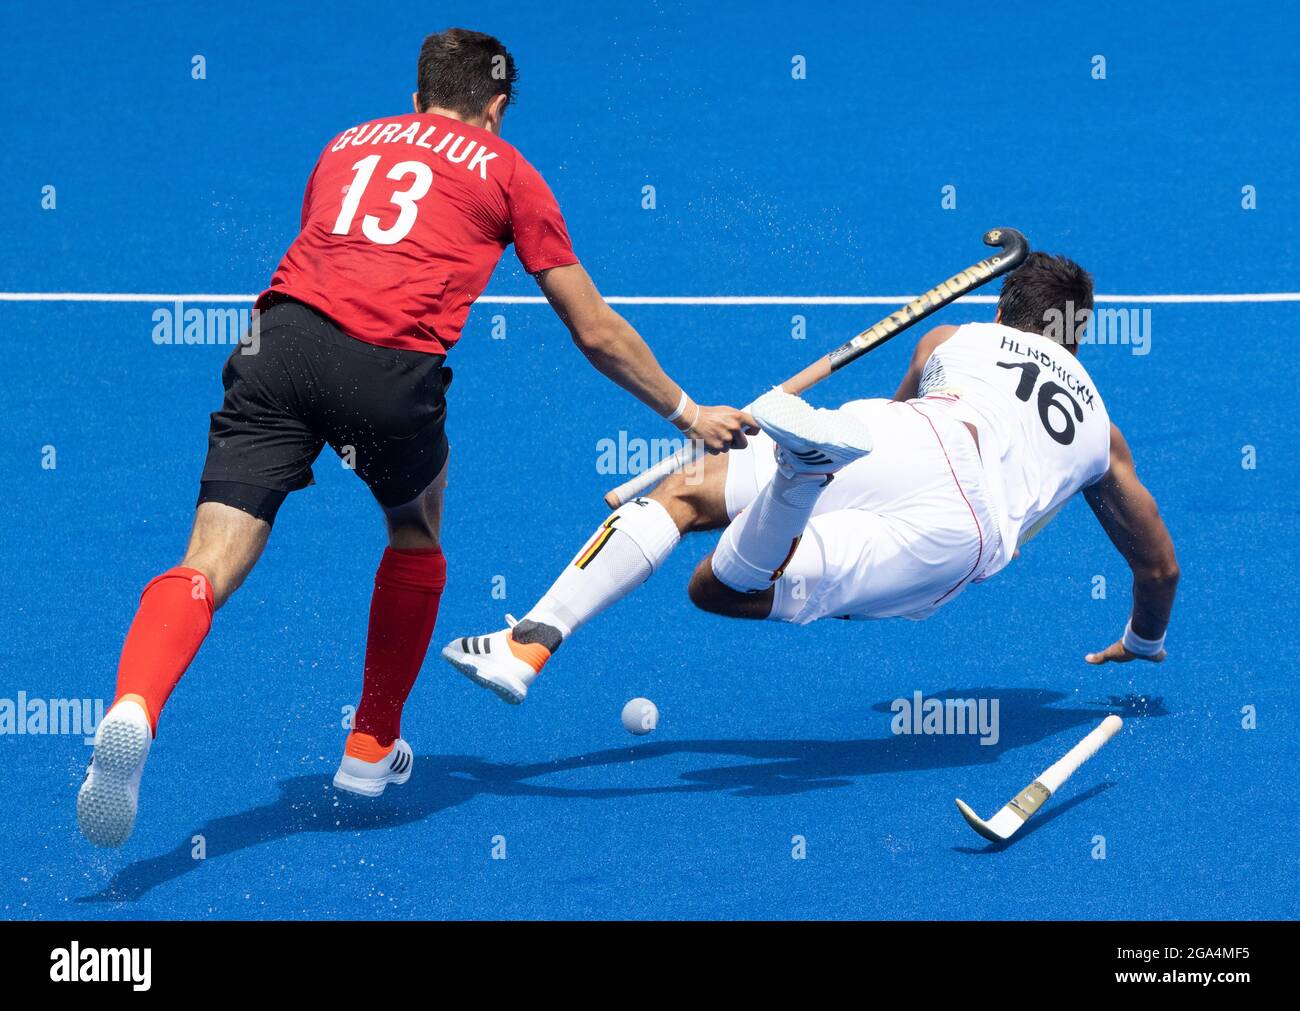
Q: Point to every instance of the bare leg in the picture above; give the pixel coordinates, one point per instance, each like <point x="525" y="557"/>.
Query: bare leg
<point x="225" y="544"/>
<point x="708" y="594"/>
<point x="417" y="524"/>
<point x="696" y="502"/>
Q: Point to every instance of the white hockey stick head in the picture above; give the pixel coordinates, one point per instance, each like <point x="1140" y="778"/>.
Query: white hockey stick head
<point x="1003" y="825"/>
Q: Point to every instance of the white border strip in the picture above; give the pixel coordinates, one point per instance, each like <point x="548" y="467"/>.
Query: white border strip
<point x="155" y="297"/>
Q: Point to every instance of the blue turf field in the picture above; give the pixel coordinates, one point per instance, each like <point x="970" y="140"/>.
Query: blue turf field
<point x="765" y="185"/>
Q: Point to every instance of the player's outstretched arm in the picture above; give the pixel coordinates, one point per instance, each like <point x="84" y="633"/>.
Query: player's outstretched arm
<point x="1131" y="519"/>
<point x="619" y="353"/>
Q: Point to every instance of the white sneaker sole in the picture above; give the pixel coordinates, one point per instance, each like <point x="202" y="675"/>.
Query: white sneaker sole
<point x="506" y="687"/>
<point x="374" y="786"/>
<point x="110" y="797"/>
<point x="367" y="787"/>
<point x="821" y="440"/>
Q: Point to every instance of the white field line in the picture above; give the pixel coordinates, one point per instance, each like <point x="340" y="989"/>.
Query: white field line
<point x="156" y="297"/>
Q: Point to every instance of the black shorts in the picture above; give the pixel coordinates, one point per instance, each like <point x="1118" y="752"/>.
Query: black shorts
<point x="302" y="383"/>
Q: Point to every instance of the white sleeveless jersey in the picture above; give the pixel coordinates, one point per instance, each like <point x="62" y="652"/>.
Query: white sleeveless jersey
<point x="1043" y="430"/>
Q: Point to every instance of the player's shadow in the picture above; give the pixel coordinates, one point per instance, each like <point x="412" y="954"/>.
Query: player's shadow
<point x="752" y="768"/>
<point x="305" y="804"/>
<point x="311" y="804"/>
<point x="780" y="767"/>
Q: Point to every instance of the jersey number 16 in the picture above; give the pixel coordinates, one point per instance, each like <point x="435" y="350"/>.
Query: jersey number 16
<point x="1049" y="399"/>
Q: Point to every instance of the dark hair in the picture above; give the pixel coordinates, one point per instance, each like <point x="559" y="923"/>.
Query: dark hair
<point x="462" y="71"/>
<point x="1042" y="283"/>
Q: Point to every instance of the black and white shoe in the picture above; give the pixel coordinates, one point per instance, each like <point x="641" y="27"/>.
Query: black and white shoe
<point x="498" y="663"/>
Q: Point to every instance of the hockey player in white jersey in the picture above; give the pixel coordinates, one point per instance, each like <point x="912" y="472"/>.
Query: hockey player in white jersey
<point x="882" y="508"/>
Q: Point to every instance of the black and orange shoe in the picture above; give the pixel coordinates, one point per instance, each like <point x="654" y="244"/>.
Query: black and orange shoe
<point x="368" y="766"/>
<point x="498" y="663"/>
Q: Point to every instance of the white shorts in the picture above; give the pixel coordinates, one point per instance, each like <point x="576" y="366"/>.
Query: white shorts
<point x="899" y="533"/>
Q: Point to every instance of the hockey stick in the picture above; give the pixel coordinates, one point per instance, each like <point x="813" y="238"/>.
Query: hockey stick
<point x="1014" y="248"/>
<point x="1003" y="825"/>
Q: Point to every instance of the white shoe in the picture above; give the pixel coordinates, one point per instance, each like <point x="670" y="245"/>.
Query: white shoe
<point x="110" y="796"/>
<point x="810" y="440"/>
<point x="498" y="663"/>
<point x="367" y="767"/>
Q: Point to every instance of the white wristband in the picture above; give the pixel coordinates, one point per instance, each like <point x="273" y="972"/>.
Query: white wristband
<point x="1134" y="643"/>
<point x="681" y="406"/>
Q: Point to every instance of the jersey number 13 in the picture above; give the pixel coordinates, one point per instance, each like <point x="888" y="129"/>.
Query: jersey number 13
<point x="405" y="200"/>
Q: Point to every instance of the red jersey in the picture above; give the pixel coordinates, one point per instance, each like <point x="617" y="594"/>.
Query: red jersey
<point x="403" y="222"/>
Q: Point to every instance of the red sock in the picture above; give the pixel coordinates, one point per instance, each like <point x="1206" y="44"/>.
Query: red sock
<point x="170" y="624"/>
<point x="408" y="587"/>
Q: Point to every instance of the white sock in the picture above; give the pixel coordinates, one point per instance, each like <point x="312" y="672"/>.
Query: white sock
<point x="622" y="554"/>
<point x="762" y="539"/>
